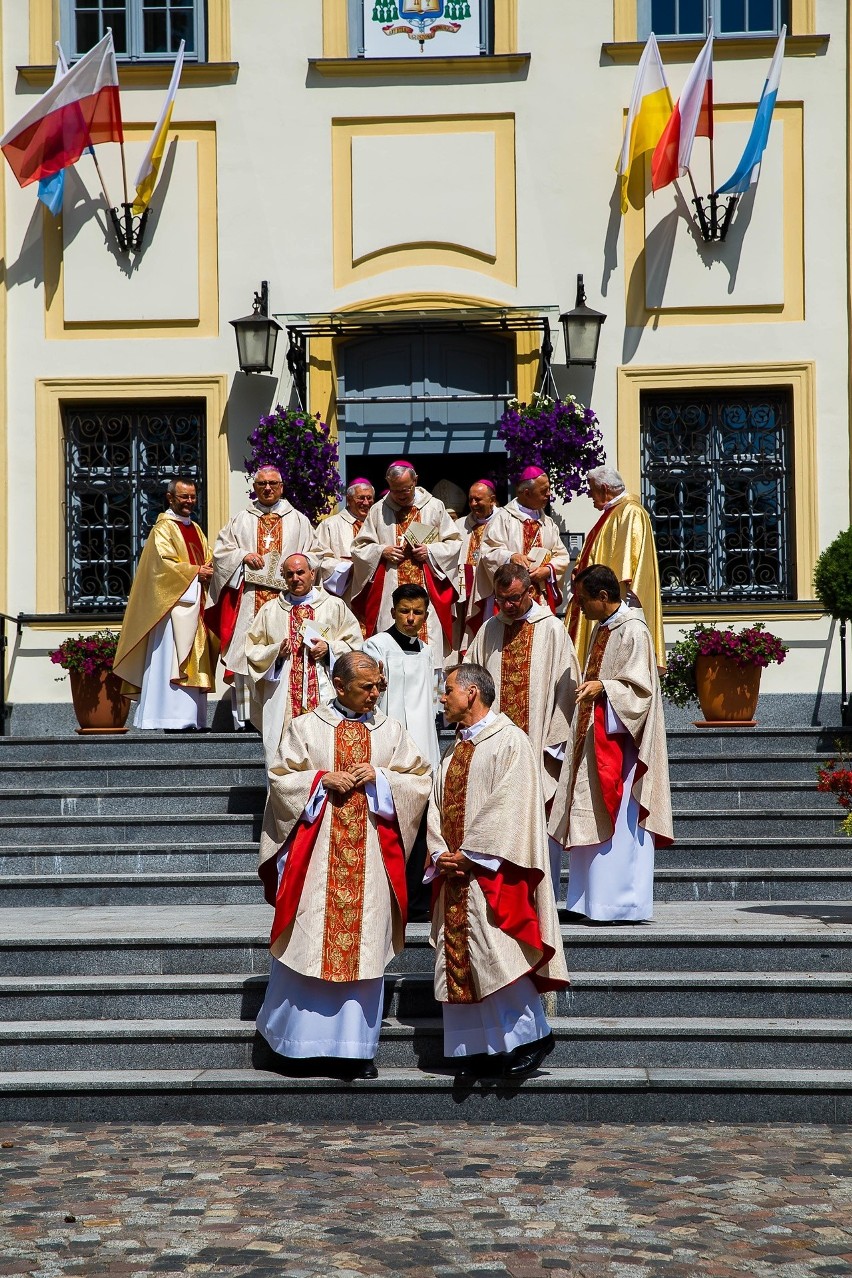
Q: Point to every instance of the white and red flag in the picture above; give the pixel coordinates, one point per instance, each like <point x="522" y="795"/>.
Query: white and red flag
<point x="691" y="118"/>
<point x="80" y="109"/>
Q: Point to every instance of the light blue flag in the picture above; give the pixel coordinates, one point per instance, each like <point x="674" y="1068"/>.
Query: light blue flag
<point x="748" y="169"/>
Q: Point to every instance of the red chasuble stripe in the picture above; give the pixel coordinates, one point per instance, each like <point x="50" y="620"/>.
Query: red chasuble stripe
<point x="285" y="896"/>
<point x="221" y="617"/>
<point x="609" y="755"/>
<point x="393" y="855"/>
<point x="366" y="606"/>
<point x="442" y="601"/>
<point x="510" y="893"/>
<point x="583" y="561"/>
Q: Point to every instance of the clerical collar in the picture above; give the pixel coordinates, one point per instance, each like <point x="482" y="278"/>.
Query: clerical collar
<point x="179" y="519"/>
<point x="311" y="597"/>
<point x="609" y="505"/>
<point x="530" y="514"/>
<point x="510" y="621"/>
<point x="277" y="508"/>
<point x="408" y="644"/>
<point x="621" y="611"/>
<point x="467" y="734"/>
<point x="349" y="714"/>
<point x="477" y="523"/>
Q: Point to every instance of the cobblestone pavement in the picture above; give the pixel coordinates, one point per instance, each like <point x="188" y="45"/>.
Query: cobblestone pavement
<point x="285" y="1201"/>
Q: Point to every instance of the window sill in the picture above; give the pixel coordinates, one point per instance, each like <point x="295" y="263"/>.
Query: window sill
<point x="496" y="64"/>
<point x="760" y="610"/>
<point x="145" y="75"/>
<point x="627" y="52"/>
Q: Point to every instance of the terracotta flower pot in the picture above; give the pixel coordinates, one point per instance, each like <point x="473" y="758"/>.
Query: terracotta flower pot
<point x="98" y="703"/>
<point x="727" y="693"/>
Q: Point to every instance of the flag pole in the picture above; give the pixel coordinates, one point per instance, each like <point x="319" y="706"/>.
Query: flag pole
<point x="124" y="173"/>
<point x="101" y="178"/>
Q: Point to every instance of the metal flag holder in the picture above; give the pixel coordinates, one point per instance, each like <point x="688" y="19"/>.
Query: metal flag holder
<point x="129" y="228"/>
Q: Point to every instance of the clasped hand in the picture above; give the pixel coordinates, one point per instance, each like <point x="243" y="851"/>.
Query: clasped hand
<point x="453" y="865"/>
<point x="355" y="778"/>
<point x="589" y="690"/>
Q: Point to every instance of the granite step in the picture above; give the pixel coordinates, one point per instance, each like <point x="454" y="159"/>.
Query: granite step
<point x="805" y="821"/>
<point x="804" y="936"/>
<point x="199" y="856"/>
<point x="751" y="767"/>
<point x="718" y="883"/>
<point x="144" y="828"/>
<point x="736" y="796"/>
<point x="147" y="773"/>
<point x="238" y="995"/>
<point x="552" y="1096"/>
<point x="125" y="860"/>
<point x="581" y="1042"/>
<point x="155" y="746"/>
<point x="758" y="741"/>
<point x="128" y="801"/>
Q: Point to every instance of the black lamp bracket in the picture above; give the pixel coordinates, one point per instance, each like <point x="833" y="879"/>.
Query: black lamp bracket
<point x="714" y="220"/>
<point x="129" y="228"/>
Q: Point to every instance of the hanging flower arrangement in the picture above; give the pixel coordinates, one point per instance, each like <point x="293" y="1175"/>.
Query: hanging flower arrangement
<point x="299" y="446"/>
<point x="558" y="435"/>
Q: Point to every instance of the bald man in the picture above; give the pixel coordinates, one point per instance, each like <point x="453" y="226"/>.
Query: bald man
<point x="269" y="527"/>
<point x="476" y="583"/>
<point x="291" y="650"/>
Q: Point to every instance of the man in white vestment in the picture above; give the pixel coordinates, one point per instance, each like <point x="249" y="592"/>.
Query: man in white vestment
<point x="476" y="583"/>
<point x="407" y="538"/>
<point x="165" y="655"/>
<point x="291" y="649"/>
<point x="337" y="533"/>
<point x="255" y="540"/>
<point x="613" y="805"/>
<point x="347" y="790"/>
<point x="494" y="926"/>
<point x="406" y="661"/>
<point x="522" y="533"/>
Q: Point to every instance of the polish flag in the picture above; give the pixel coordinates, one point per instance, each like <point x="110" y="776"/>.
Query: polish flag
<point x="78" y="110"/>
<point x="692" y="116"/>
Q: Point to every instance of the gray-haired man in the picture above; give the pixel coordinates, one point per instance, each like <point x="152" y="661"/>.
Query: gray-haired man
<point x="337" y="533"/>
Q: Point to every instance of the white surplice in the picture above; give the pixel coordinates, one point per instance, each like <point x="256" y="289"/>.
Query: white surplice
<point x="410" y="694"/>
<point x="613" y="881"/>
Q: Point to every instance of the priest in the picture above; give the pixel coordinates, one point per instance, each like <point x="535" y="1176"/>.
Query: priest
<point x="337" y="533"/>
<point x="523" y="533"/>
<point x="256" y="538"/>
<point x="165" y="655"/>
<point x="531" y="659"/>
<point x="494" y="926"/>
<point x="407" y="538"/>
<point x="291" y="649"/>
<point x="476" y="585"/>
<point x="347" y="790"/>
<point x="623" y="540"/>
<point x="613" y="805"/>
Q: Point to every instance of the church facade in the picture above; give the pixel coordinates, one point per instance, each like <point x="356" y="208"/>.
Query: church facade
<point x="421" y="182"/>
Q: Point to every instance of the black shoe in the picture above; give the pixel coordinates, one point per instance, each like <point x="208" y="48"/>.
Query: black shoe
<point x="525" y="1060"/>
<point x="362" y="1070"/>
<point x="479" y="1065"/>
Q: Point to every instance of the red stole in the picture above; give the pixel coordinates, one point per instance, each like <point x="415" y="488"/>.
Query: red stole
<point x="583" y="560"/>
<point x="302" y="699"/>
<point x="352" y="744"/>
<point x="192" y="540"/>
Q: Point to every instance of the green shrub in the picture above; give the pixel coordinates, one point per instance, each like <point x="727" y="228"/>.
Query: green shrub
<point x="833" y="577"/>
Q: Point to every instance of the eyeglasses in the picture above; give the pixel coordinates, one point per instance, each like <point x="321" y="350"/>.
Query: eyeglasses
<point x="268" y="483"/>
<point x="511" y="599"/>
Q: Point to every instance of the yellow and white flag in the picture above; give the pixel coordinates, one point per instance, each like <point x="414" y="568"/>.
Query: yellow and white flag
<point x="146" y="178"/>
<point x="650" y="109"/>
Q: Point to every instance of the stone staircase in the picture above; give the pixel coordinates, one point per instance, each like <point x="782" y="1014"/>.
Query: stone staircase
<point x="133" y="951"/>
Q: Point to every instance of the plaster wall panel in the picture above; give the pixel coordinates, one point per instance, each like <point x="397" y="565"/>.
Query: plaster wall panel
<point x="435" y="188"/>
<point x="161" y="283"/>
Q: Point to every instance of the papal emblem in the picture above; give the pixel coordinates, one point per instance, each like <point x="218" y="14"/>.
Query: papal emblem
<point x="420" y="19"/>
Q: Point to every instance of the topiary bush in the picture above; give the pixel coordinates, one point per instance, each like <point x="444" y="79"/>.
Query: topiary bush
<point x="833" y="577"/>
